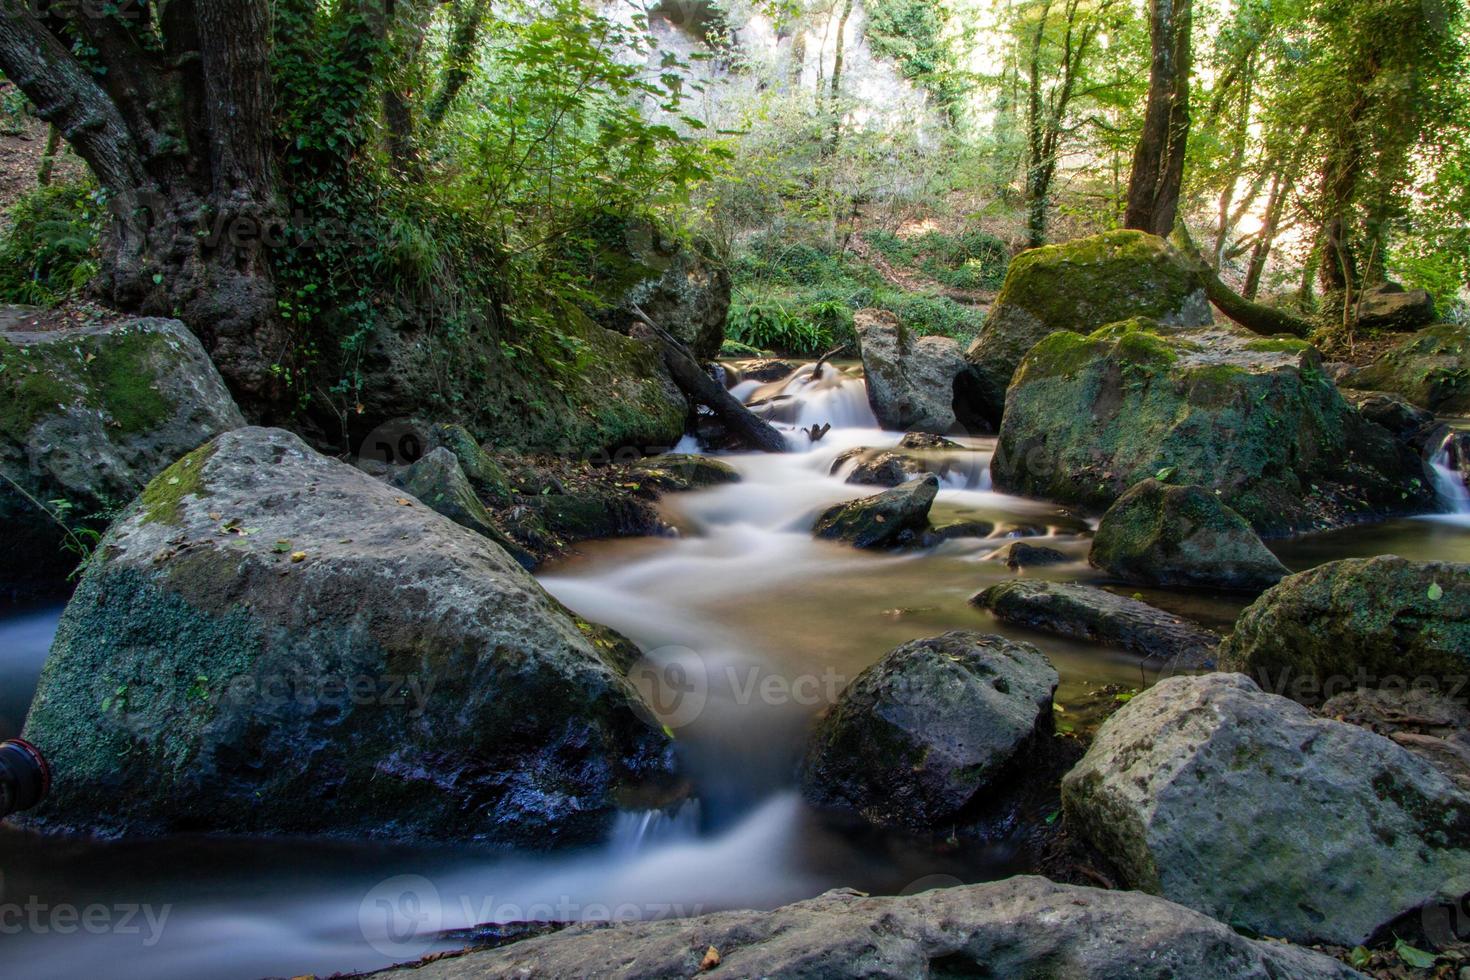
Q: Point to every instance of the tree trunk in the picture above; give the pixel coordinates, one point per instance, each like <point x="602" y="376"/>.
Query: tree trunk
<point x="1037" y="178"/>
<point x="838" y="56"/>
<point x="1265" y="320"/>
<point x="179" y="135"/>
<point x="1158" y="163"/>
<point x="1261" y="250"/>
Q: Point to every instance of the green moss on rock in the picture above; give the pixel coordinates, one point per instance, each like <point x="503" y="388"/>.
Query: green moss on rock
<point x="162" y="499"/>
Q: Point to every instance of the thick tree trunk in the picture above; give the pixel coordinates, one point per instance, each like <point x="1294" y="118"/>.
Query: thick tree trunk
<point x="1158" y="163"/>
<point x="181" y="141"/>
<point x="1256" y="317"/>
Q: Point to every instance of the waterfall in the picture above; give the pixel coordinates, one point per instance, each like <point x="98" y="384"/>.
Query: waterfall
<point x="636" y="830"/>
<point x="1449" y="484"/>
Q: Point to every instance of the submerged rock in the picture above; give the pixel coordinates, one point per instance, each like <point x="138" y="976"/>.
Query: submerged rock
<point x="1089" y="613"/>
<point x="1181" y="536"/>
<point x="892" y="519"/>
<point x="1090" y="416"/>
<point x="275" y="642"/>
<point x="1019" y="927"/>
<point x="919" y="734"/>
<point x="1245" y="806"/>
<point x="1430" y="368"/>
<point x="1360" y="622"/>
<point x="88" y="415"/>
<point x="910" y="379"/>
<point x="927" y="440"/>
<point x="1019" y="555"/>
<point x="877" y="467"/>
<point x="1079" y="285"/>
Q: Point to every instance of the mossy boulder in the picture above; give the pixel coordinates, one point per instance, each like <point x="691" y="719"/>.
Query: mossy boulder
<point x="910" y="379"/>
<point x="1090" y="415"/>
<point x="1430" y="368"/>
<point x="919" y="734"/>
<point x="1157" y="534"/>
<point x="1360" y="622"/>
<point x="676" y="283"/>
<point x="895" y="518"/>
<point x="680" y="472"/>
<point x="1079" y="286"/>
<point x="571" y="387"/>
<point x="487" y="477"/>
<point x="88" y="415"/>
<point x="271" y="641"/>
<point x="440" y="483"/>
<point x="1247" y="807"/>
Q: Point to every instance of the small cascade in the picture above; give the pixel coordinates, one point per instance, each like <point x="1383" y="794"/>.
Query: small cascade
<point x="806" y="397"/>
<point x="636" y="831"/>
<point x="1449" y="484"/>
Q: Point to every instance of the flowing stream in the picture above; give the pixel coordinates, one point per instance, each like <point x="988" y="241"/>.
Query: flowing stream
<point x="761" y="624"/>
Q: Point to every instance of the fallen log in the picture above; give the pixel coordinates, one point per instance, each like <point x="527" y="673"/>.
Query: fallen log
<point x="1256" y="317"/>
<point x="750" y="429"/>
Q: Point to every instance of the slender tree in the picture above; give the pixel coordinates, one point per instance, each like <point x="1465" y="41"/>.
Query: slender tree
<point x="1158" y="162"/>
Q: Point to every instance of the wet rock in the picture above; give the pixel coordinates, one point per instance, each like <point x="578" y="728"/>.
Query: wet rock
<point x="910" y="379"/>
<point x="1157" y="534"/>
<point x="1430" y="368"/>
<point x="926" y="440"/>
<point x="1245" y="806"/>
<point x="679" y="472"/>
<point x="1089" y="613"/>
<point x="275" y="642"/>
<point x="1019" y="555"/>
<point x="892" y="519"/>
<point x="1389" y="306"/>
<point x="88" y="415"/>
<point x="876" y="467"/>
<point x="1253" y="418"/>
<point x="1020" y="927"/>
<point x="1429" y="723"/>
<point x="766" y="371"/>
<point x="1409" y="424"/>
<point x="1080" y="286"/>
<point x="917" y="735"/>
<point x="1363" y="622"/>
<point x="549" y="522"/>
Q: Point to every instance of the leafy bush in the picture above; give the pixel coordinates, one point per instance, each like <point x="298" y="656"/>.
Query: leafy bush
<point x="771" y="326"/>
<point x="48" y="248"/>
<point x="928" y="315"/>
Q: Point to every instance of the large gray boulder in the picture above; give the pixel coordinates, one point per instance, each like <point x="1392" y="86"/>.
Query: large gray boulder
<point x="1247" y="807"/>
<point x="1088" y="416"/>
<point x="1020" y="927"/>
<point x="1085" y="612"/>
<point x="895" y="518"/>
<point x="920" y="733"/>
<point x="1364" y="622"/>
<point x="910" y="379"/>
<point x="674" y="283"/>
<point x="1078" y="285"/>
<point x="275" y="642"/>
<point x="1389" y="306"/>
<point x="1157" y="534"/>
<point x="88" y="415"/>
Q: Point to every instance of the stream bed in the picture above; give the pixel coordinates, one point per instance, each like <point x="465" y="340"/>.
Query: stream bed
<point x="760" y="624"/>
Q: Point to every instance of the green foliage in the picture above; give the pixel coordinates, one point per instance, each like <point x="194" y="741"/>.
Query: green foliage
<point x="48" y="249"/>
<point x="771" y="326"/>
<point x="912" y="33"/>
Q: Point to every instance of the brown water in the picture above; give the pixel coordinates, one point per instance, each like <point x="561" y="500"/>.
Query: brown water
<point x="748" y="627"/>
